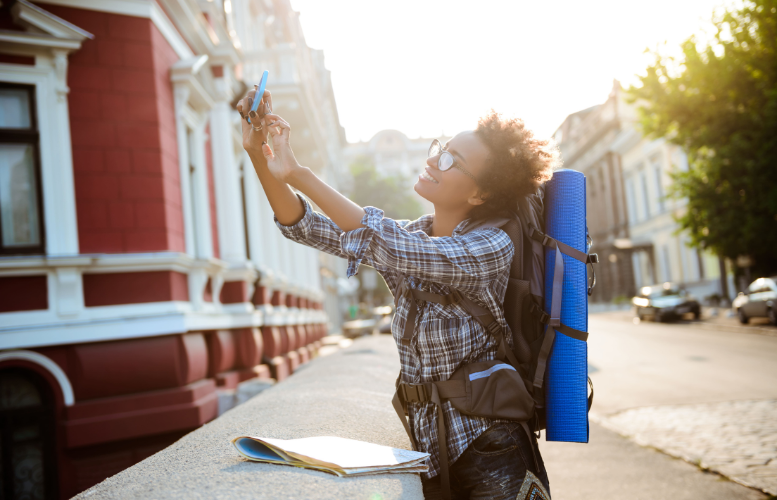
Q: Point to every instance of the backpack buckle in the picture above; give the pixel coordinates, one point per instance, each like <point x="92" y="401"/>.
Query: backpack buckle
<point x="537" y="311"/>
<point x="414" y="393"/>
<point x="494" y="328"/>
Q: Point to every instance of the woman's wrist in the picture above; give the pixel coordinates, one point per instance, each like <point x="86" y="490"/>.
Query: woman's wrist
<point x="298" y="178"/>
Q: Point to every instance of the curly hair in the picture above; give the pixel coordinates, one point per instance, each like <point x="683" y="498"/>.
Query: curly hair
<point x="518" y="163"/>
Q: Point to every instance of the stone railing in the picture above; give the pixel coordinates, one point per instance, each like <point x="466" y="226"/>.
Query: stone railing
<point x="346" y="394"/>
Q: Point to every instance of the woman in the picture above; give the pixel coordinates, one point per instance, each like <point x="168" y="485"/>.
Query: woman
<point x="477" y="174"/>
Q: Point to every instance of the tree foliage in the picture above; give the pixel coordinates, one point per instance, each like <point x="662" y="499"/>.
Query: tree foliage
<point x="392" y="194"/>
<point x="719" y="102"/>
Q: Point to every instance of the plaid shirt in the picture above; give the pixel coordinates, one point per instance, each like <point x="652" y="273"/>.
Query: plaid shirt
<point x="445" y="337"/>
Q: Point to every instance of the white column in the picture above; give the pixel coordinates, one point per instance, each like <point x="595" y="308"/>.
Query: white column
<point x="282" y="254"/>
<point x="59" y="200"/>
<point x="201" y="198"/>
<point x="298" y="265"/>
<point x="254" y="214"/>
<point x="316" y="270"/>
<point x="229" y="210"/>
<point x="270" y="236"/>
<point x="310" y="270"/>
<point x="181" y="93"/>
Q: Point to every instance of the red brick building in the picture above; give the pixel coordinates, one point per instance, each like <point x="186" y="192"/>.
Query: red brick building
<point x="141" y="276"/>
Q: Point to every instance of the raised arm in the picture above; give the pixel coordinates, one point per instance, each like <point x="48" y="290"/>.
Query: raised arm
<point x="278" y="169"/>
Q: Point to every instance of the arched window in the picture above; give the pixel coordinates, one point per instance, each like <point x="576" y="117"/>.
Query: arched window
<point x="27" y="445"/>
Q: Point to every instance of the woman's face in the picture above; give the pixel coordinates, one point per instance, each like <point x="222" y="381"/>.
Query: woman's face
<point x="453" y="189"/>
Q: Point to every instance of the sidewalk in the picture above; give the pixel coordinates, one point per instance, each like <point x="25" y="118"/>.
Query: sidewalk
<point x="610" y="467"/>
<point x="737" y="439"/>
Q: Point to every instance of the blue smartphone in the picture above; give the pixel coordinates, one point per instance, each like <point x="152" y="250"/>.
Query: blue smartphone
<point x="260" y="93"/>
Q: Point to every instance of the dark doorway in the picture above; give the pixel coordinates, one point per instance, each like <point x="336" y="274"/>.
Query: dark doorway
<point x="27" y="446"/>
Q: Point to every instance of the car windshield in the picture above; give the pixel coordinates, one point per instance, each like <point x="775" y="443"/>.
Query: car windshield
<point x="656" y="292"/>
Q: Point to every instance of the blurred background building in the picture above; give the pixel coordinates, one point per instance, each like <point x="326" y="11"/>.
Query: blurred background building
<point x="630" y="217"/>
<point x="394" y="153"/>
<point x="585" y="140"/>
<point x="141" y="273"/>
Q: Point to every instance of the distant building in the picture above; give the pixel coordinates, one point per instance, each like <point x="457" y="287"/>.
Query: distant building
<point x="394" y="153"/>
<point x="630" y="218"/>
<point x="585" y="139"/>
<point x="142" y="276"/>
<point x="658" y="253"/>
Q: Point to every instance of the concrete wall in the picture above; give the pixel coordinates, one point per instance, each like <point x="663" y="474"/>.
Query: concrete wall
<point x="347" y="394"/>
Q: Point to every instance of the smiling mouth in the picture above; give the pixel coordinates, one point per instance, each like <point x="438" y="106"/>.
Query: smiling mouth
<point x="425" y="176"/>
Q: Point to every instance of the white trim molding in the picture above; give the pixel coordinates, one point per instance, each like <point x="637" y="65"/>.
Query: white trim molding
<point x="149" y="320"/>
<point x="147" y="9"/>
<point x="33" y="17"/>
<point x="49" y="365"/>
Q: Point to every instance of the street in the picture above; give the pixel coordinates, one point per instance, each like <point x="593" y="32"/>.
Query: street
<point x="670" y="386"/>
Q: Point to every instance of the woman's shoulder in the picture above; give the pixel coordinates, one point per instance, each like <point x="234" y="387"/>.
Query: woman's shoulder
<point x="420" y="224"/>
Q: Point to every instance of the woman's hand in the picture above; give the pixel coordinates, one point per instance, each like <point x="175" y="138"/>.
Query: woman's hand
<point x="254" y="134"/>
<point x="280" y="158"/>
<point x="279" y="171"/>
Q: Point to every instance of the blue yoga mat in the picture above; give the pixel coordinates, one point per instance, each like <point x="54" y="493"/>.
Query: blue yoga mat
<point x="566" y="388"/>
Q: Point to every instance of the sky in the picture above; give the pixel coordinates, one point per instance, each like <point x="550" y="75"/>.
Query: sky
<point x="430" y="67"/>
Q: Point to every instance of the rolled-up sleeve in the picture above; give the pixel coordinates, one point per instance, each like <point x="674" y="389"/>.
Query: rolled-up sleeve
<point x="314" y="230"/>
<point x="468" y="262"/>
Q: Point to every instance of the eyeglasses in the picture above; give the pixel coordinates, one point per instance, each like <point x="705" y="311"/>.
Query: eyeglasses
<point x="446" y="160"/>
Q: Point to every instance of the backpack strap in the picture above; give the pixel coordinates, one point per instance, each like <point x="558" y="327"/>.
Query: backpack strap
<point x="492" y="326"/>
<point x="401" y="410"/>
<point x="412" y="313"/>
<point x="435" y="392"/>
<point x="553" y="243"/>
<point x="432" y="392"/>
<point x="555" y="325"/>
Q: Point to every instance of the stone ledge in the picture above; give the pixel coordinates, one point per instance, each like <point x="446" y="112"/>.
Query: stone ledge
<point x="346" y="394"/>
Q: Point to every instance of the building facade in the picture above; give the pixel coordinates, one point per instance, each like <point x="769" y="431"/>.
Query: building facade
<point x="659" y="253"/>
<point x="630" y="218"/>
<point x="585" y="139"/>
<point x="142" y="276"/>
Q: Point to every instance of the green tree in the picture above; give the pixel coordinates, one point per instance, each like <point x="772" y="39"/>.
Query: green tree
<point x="719" y="102"/>
<point x="392" y="194"/>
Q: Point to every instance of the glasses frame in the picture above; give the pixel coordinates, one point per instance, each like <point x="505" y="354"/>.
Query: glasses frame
<point x="454" y="163"/>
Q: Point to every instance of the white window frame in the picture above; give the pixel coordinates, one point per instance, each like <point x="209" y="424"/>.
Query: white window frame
<point x="56" y="154"/>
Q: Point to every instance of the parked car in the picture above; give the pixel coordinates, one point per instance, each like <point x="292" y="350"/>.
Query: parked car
<point x="385" y="315"/>
<point x="662" y="302"/>
<point x="760" y="301"/>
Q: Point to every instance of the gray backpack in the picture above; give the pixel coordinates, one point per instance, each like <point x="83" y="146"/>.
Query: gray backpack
<point x="510" y="387"/>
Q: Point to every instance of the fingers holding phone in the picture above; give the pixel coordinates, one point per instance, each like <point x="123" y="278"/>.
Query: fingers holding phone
<point x="254" y="132"/>
<point x="246" y="105"/>
<point x="277" y="127"/>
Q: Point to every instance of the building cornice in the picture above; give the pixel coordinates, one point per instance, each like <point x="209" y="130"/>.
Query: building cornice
<point x="34" y="18"/>
<point x="147" y="9"/>
<point x="185" y="72"/>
